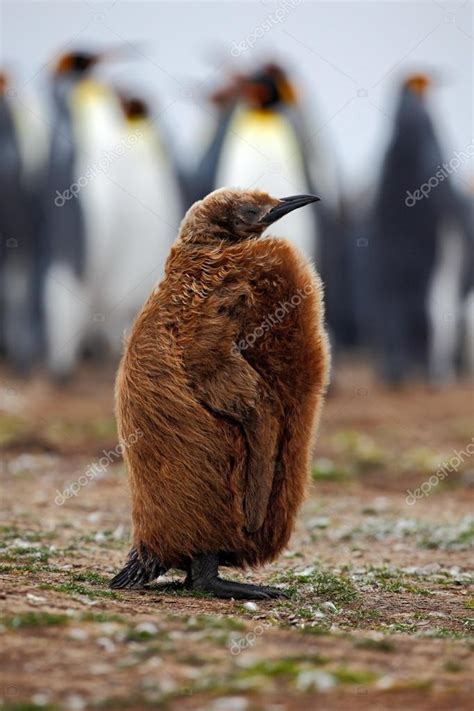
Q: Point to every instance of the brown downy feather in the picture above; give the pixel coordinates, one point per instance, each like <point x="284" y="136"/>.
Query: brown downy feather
<point x="226" y="428"/>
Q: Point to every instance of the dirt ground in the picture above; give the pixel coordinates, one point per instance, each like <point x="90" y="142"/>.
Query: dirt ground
<point x="380" y="614"/>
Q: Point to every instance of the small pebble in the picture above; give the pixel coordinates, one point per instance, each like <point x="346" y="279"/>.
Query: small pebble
<point x="147" y="627"/>
<point x="78" y="633"/>
<point x="309" y="680"/>
<point x="106" y="644"/>
<point x="74" y="702"/>
<point x="35" y="599"/>
<point x="251" y="606"/>
<point x="329" y="606"/>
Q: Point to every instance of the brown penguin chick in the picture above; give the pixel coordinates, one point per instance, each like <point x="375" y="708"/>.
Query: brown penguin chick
<point x="218" y="396"/>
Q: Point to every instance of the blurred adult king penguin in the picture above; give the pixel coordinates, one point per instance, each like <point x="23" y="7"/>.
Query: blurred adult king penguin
<point x="416" y="249"/>
<point x="264" y="145"/>
<point x="218" y="396"/>
<point x="79" y="206"/>
<point x="19" y="332"/>
<point x="266" y="139"/>
<point x="149" y="208"/>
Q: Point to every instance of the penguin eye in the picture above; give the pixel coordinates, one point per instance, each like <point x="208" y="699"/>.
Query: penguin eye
<point x="248" y="214"/>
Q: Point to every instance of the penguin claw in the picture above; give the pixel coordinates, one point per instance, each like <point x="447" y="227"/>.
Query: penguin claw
<point x="227" y="589"/>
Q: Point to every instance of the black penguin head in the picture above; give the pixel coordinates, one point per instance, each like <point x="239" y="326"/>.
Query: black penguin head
<point x="80" y="63"/>
<point x="417" y="84"/>
<point x="133" y="107"/>
<point x="413" y="126"/>
<point x="76" y="64"/>
<point x="268" y="88"/>
<point x="229" y="215"/>
<point x="226" y="96"/>
<point x="3" y="83"/>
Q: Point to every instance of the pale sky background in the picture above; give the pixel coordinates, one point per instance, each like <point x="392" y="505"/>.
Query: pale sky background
<point x="348" y="57"/>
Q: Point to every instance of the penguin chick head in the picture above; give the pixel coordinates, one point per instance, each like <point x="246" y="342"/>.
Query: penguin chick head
<point x="230" y="215"/>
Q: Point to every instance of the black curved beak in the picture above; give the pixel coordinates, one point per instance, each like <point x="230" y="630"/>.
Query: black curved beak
<point x="286" y="205"/>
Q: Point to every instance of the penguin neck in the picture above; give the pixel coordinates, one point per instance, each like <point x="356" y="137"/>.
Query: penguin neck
<point x="261" y="113"/>
<point x="140" y="125"/>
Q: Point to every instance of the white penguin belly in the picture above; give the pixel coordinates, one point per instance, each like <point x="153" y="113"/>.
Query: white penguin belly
<point x="444" y="304"/>
<point x="98" y="123"/>
<point x="146" y="224"/>
<point x="261" y="151"/>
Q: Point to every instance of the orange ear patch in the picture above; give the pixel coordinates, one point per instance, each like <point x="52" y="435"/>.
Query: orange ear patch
<point x="288" y="92"/>
<point x="418" y="83"/>
<point x="64" y="64"/>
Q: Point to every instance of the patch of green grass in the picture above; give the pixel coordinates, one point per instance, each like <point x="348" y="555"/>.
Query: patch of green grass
<point x="411" y="628"/>
<point x="361" y="616"/>
<point x="458" y="536"/>
<point x="134" y="635"/>
<point x="74" y="585"/>
<point x="73" y="588"/>
<point x="421" y="460"/>
<point x="90" y="577"/>
<point x="40" y="554"/>
<point x="101" y="617"/>
<point x="34" y="619"/>
<point x="333" y="588"/>
<point x="35" y="568"/>
<point x="106" y="540"/>
<point x="8" y="533"/>
<point x="103" y="428"/>
<point x="346" y="675"/>
<point x="11" y="427"/>
<point x="320" y="629"/>
<point x="324" y="584"/>
<point x="401" y="627"/>
<point x="362" y="451"/>
<point x="452" y="666"/>
<point x="288" y="667"/>
<point x="202" y="622"/>
<point x="326" y="470"/>
<point x="378" y="645"/>
<point x="392" y="580"/>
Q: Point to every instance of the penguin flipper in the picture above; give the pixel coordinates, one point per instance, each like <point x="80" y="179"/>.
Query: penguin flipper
<point x="238" y="394"/>
<point x="141" y="568"/>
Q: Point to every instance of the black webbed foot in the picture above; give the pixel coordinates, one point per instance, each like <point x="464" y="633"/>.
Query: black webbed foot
<point x="227" y="589"/>
<point x="203" y="576"/>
